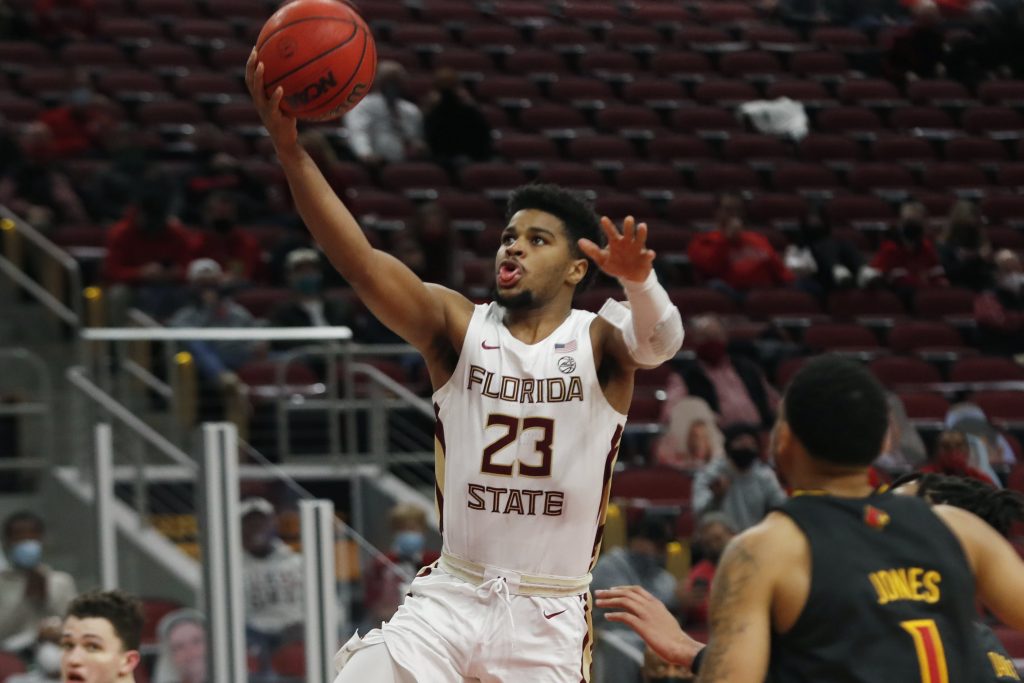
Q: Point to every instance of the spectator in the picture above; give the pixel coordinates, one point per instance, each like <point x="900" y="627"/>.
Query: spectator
<point x="991" y="47"/>
<point x="388" y="581"/>
<point x="182" y="657"/>
<point x="713" y="533"/>
<point x="903" y="450"/>
<point x="211" y="307"/>
<point x="226" y="242"/>
<point x="999" y="312"/>
<point x="386" y="127"/>
<point x="739" y="485"/>
<point x="148" y="250"/>
<point x="692" y="438"/>
<point x="964" y="248"/>
<point x="907" y="258"/>
<point x="822" y="262"/>
<point x="953" y="457"/>
<point x="45" y="655"/>
<point x="735" y="260"/>
<point x="918" y="51"/>
<point x="219" y="172"/>
<point x="101" y="638"/>
<point x="30" y="591"/>
<point x="36" y="188"/>
<point x="310" y="308"/>
<point x="273" y="582"/>
<point x="640" y="563"/>
<point x="733" y="386"/>
<point x="113" y="189"/>
<point x="455" y="128"/>
<point x="80" y="125"/>
<point x="990" y="451"/>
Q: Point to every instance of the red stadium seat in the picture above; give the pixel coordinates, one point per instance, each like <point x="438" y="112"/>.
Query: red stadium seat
<point x="169" y="55"/>
<point x="290" y="661"/>
<point x="464" y="60"/>
<point x="953" y="176"/>
<point x="984" y="120"/>
<point x="662" y="485"/>
<point x="693" y="301"/>
<point x="932" y="91"/>
<point x="1001" y="406"/>
<point x="923" y="405"/>
<point x="517" y="10"/>
<point x="468" y="206"/>
<point x="644" y="410"/>
<point x="118" y="83"/>
<point x="906" y="118"/>
<point x="420" y="36"/>
<point x="763" y="304"/>
<point x="170" y="112"/>
<point x="974" y="150"/>
<point x="619" y="205"/>
<point x="617" y="118"/>
<point x="724" y="92"/>
<point x="859" y="303"/>
<point x="1007" y="93"/>
<point x="552" y="116"/>
<point x="743" y="147"/>
<point x="492" y="37"/>
<point x="797" y="90"/>
<point x="896" y="370"/>
<point x="1011" y="175"/>
<point x="697" y="119"/>
<point x="413" y="175"/>
<point x="640" y="176"/>
<point x="208" y="83"/>
<point x="83" y="54"/>
<point x="839" y="337"/>
<point x="578" y="89"/>
<point x="752" y="63"/>
<point x="601" y="147"/>
<point x="848" y="120"/>
<point x="986" y="369"/>
<point x="635" y="39"/>
<point x="385" y="205"/>
<point x="866" y="90"/>
<point x="562" y="36"/>
<point x="902" y="148"/>
<point x="943" y="302"/>
<point x="498" y="88"/>
<point x="725" y="177"/>
<point x="449" y="11"/>
<point x="872" y="176"/>
<point x="691" y="207"/>
<point x="574" y="175"/>
<point x="819" y="147"/>
<point x="492" y="175"/>
<point x="658" y="13"/>
<point x="698" y="36"/>
<point x="765" y="208"/>
<point x="818" y="64"/>
<point x="725" y="12"/>
<point x="920" y="336"/>
<point x="680" y="148"/>
<point x="129" y="29"/>
<point x="786" y="369"/>
<point x="10" y="664"/>
<point x="608" y="63"/>
<point x="652" y="90"/>
<point x="201" y="30"/>
<point x="799" y="177"/>
<point x="672" y="64"/>
<point x="529" y="61"/>
<point x="835" y="37"/>
<point x="519" y="147"/>
<point x="153" y="610"/>
<point x="1003" y="208"/>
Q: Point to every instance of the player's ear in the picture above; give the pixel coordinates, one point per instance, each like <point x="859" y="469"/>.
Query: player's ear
<point x="577" y="271"/>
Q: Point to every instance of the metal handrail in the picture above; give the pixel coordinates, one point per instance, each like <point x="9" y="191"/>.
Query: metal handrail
<point x="418" y="402"/>
<point x="216" y="334"/>
<point x="38" y="292"/>
<point x="41" y="407"/>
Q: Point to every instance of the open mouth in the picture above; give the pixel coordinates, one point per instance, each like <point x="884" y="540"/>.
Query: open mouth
<point x="509" y="273"/>
<point x="76" y="676"/>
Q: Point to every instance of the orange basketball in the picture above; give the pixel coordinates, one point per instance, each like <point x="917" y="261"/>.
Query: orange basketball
<point x="321" y="53"/>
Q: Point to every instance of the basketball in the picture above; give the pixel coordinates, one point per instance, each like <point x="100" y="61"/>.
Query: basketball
<point x="321" y="53"/>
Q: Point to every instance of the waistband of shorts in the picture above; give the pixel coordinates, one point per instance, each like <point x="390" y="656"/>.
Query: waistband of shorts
<point x="519" y="584"/>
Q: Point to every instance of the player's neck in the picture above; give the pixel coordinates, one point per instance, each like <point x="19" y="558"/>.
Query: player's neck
<point x="839" y="483"/>
<point x="531" y="325"/>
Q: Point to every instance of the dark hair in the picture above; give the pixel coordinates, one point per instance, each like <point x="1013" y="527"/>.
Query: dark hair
<point x="735" y="431"/>
<point x="123" y="611"/>
<point x="1000" y="508"/>
<point x="838" y="411"/>
<point x="652" y="528"/>
<point x="23" y="516"/>
<point x="575" y="212"/>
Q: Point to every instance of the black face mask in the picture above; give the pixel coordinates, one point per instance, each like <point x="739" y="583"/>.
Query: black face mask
<point x="912" y="231"/>
<point x="742" y="458"/>
<point x="222" y="225"/>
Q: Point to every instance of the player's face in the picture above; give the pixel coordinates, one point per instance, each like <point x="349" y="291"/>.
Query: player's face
<point x="535" y="260"/>
<point x="93" y="653"/>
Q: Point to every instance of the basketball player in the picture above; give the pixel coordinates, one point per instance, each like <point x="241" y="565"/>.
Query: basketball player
<point x="841" y="583"/>
<point x="100" y="638"/>
<point x="531" y="398"/>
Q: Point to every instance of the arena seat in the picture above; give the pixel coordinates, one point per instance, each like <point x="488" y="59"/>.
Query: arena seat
<point x="932" y="91"/>
<point x="724" y="12"/>
<point x="867" y="91"/>
<point x="901" y="147"/>
<point x="1006" y="93"/>
<point x="797" y="90"/>
<point x="88" y="54"/>
<point x="1001" y="406"/>
<point x="839" y="37"/>
<point x="986" y="369"/>
<point x="468" y="206"/>
<point x="974" y="150"/>
<point x="153" y="610"/>
<point x="986" y="120"/>
<point x="551" y="116"/>
<point x="289" y="661"/>
<point x="619" y="118"/>
<point x="724" y="92"/>
<point x="492" y="38"/>
<point x="787" y="368"/>
<point x="499" y="88"/>
<point x="527" y="147"/>
<point x="840" y="337"/>
<point x="261" y="301"/>
<point x="693" y="301"/>
<point x="660" y="485"/>
<point x="767" y="208"/>
<point x="895" y="370"/>
<point x="700" y="119"/>
<point x="604" y="148"/>
<point x="658" y="13"/>
<point x="464" y="60"/>
<point x="636" y="39"/>
<point x="944" y="302"/>
<point x="924" y="405"/>
<point x="744" y="147"/>
<point x="682" y="64"/>
<point x="763" y="304"/>
<point x="829" y="65"/>
<point x="750" y="64"/>
<point x="494" y="175"/>
<point x="712" y="177"/>
<point x="531" y="61"/>
<point x="609" y="65"/>
<point x="561" y="36"/>
<point x="907" y="118"/>
<point x="571" y="174"/>
<point x="10" y="664"/>
<point x="950" y="176"/>
<point x="687" y="149"/>
<point x="801" y="178"/>
<point x="652" y="91"/>
<point x="449" y="12"/>
<point x="618" y="205"/>
<point x="828" y="148"/>
<point x="406" y="176"/>
<point x="1003" y="208"/>
<point x="869" y="176"/>
<point x="848" y="120"/>
<point x="917" y="336"/>
<point x="1011" y="175"/>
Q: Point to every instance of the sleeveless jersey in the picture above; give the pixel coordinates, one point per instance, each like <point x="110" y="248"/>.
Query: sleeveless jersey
<point x="996" y="661"/>
<point x="525" y="446"/>
<point x="891" y="597"/>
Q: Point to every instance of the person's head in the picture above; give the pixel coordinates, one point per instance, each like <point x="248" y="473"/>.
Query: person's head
<point x="833" y="419"/>
<point x="304" y="273"/>
<point x="409" y="524"/>
<point x="220" y="212"/>
<point x="926" y="13"/>
<point x="205" y="280"/>
<point x="319" y="148"/>
<point x="999" y="508"/>
<point x="952" y="444"/>
<point x="814" y="225"/>
<point x="963" y="228"/>
<point x="913" y="218"/>
<point x="713" y="533"/>
<point x="731" y="214"/>
<point x="23" y="539"/>
<point x="539" y="258"/>
<point x="709" y="338"/>
<point x="1009" y="274"/>
<point x="648" y="537"/>
<point x="433" y="224"/>
<point x="259" y="526"/>
<point x="698" y="441"/>
<point x="446" y="81"/>
<point x="743" y="445"/>
<point x="153" y="201"/>
<point x="182" y="634"/>
<point x="391" y="77"/>
<point x="100" y="638"/>
<point x="36" y="143"/>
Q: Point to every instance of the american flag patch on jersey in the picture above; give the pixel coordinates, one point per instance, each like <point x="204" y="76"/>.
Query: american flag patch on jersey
<point x="568" y="347"/>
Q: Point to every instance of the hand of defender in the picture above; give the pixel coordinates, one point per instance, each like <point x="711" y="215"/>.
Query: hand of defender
<point x="625" y="256"/>
<point x="652" y="621"/>
<point x="281" y="127"/>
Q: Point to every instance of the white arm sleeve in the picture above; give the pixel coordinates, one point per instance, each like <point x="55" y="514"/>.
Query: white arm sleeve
<point x="651" y="326"/>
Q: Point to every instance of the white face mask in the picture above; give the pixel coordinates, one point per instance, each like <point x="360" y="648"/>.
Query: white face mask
<point x="48" y="658"/>
<point x="1012" y="282"/>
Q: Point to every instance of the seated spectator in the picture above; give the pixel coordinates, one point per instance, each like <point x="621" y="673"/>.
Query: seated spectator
<point x="210" y="306"/>
<point x="964" y="248"/>
<point x="999" y="312"/>
<point x="741" y="485"/>
<point x="80" y="125"/>
<point x="732" y="385"/>
<point x="219" y="172"/>
<point x="990" y="451"/>
<point x="903" y="450"/>
<point x="918" y="50"/>
<point x="952" y="456"/>
<point x="36" y="188"/>
<point x="640" y="563"/>
<point x="309" y="308"/>
<point x="101" y="638"/>
<point x="386" y="127"/>
<point x="692" y="438"/>
<point x="907" y="258"/>
<point x="387" y="582"/>
<point x="46" y="655"/>
<point x="223" y="240"/>
<point x="30" y="590"/>
<point x="823" y="263"/>
<point x="272" y="571"/>
<point x="989" y="49"/>
<point x="733" y="259"/>
<point x="455" y="128"/>
<point x="113" y="189"/>
<point x="713" y="533"/>
<point x="148" y="251"/>
<point x="182" y="657"/>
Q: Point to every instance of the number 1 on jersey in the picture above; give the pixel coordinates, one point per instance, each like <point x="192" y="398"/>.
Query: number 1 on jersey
<point x="930" y="654"/>
<point x="513" y="428"/>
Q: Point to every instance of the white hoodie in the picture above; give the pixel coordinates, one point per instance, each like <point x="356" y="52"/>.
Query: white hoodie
<point x="273" y="589"/>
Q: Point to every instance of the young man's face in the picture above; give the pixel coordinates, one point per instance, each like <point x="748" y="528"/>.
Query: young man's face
<point x="93" y="653"/>
<point x="535" y="259"/>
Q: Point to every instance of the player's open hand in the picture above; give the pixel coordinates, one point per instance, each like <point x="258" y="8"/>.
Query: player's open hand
<point x="281" y="127"/>
<point x="626" y="255"/>
<point x="652" y="621"/>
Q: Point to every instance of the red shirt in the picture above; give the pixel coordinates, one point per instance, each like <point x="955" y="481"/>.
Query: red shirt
<point x="72" y="135"/>
<point x="237" y="252"/>
<point x="745" y="262"/>
<point x="908" y="267"/>
<point x="701" y="576"/>
<point x="129" y="249"/>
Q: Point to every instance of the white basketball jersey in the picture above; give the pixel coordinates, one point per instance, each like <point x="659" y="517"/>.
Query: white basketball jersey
<point x="525" y="446"/>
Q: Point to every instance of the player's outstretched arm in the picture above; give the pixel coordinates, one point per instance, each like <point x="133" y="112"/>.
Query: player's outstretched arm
<point x="415" y="311"/>
<point x="648" y="616"/>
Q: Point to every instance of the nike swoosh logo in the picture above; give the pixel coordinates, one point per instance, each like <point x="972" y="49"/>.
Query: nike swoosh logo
<point x="489" y="348"/>
<point x="552" y="616"/>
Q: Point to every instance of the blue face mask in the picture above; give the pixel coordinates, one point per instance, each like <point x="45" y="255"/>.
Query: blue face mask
<point x="409" y="544"/>
<point x="26" y="554"/>
<point x="308" y="284"/>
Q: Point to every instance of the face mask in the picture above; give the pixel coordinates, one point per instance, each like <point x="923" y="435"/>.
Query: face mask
<point x="222" y="225"/>
<point x="711" y="352"/>
<point x="308" y="284"/>
<point x="644" y="564"/>
<point x="48" y="658"/>
<point x="26" y="554"/>
<point x="409" y="544"/>
<point x="912" y="231"/>
<point x="1012" y="282"/>
<point x="206" y="295"/>
<point x="391" y="91"/>
<point x="743" y="458"/>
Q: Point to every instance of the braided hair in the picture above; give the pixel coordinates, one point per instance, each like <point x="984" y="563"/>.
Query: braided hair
<point x="1000" y="508"/>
